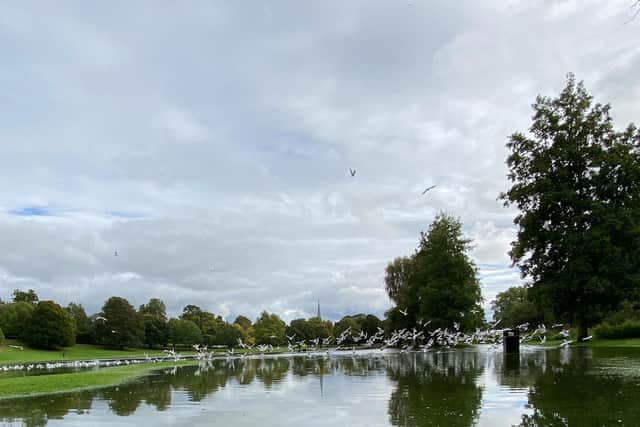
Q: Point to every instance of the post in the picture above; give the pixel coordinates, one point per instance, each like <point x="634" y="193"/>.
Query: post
<point x="511" y="340"/>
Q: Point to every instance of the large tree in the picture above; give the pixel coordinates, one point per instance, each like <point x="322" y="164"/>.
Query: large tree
<point x="50" y="327"/>
<point x="119" y="325"/>
<point x="576" y="182"/>
<point x="438" y="283"/>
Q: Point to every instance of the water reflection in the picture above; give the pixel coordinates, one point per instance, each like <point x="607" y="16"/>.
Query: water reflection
<point x="454" y="388"/>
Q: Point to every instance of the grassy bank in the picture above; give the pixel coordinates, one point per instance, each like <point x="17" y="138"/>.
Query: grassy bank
<point x="596" y="342"/>
<point x="58" y="383"/>
<point x="77" y="352"/>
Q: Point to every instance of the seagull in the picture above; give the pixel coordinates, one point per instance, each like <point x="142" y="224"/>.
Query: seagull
<point x="17" y="347"/>
<point x="104" y="319"/>
<point x="352" y="172"/>
<point x="427" y="189"/>
<point x="115" y="253"/>
<point x="404" y="312"/>
<point x="587" y="338"/>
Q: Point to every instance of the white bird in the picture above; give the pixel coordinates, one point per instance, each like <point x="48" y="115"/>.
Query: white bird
<point x="17" y="347"/>
<point x="587" y="338"/>
<point x="565" y="343"/>
<point x="404" y="312"/>
<point x="290" y="338"/>
<point x="104" y="319"/>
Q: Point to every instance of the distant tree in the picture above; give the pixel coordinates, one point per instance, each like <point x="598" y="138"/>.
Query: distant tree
<point x="300" y="328"/>
<point x="184" y="332"/>
<point x="227" y="335"/>
<point x="123" y="326"/>
<point x="156" y="331"/>
<point x="345" y="323"/>
<point x="245" y="326"/>
<point x="84" y="331"/>
<point x="269" y="329"/>
<point x="154" y="319"/>
<point x="513" y="307"/>
<point x="50" y="327"/>
<point x="21" y="296"/>
<point x="15" y="317"/>
<point x="576" y="182"/>
<point x="1" y="337"/>
<point x="243" y="321"/>
<point x="370" y="324"/>
<point x="320" y="328"/>
<point x="155" y="307"/>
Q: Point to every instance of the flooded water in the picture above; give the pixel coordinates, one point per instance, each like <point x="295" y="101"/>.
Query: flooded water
<point x="539" y="387"/>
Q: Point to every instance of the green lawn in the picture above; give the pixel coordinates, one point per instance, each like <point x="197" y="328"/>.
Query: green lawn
<point x="77" y="352"/>
<point x="103" y="377"/>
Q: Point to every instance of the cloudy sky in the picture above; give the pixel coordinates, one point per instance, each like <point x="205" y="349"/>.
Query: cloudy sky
<point x="219" y="134"/>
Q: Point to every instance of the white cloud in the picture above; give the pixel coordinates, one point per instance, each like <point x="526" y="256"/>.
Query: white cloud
<point x="220" y="135"/>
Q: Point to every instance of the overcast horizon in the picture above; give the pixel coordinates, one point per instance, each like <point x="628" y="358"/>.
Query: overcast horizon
<point x="220" y="136"/>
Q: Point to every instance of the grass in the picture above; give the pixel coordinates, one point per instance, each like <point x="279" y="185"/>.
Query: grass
<point x="595" y="342"/>
<point x="77" y="352"/>
<point x="104" y="377"/>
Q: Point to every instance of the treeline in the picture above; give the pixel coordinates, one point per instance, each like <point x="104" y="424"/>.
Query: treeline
<point x="46" y="324"/>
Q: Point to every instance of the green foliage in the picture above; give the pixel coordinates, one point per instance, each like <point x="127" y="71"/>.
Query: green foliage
<point x="156" y="331"/>
<point x="438" y="283"/>
<point x="269" y="329"/>
<point x="626" y="329"/>
<point x="514" y="307"/>
<point x="83" y="327"/>
<point x="1" y="337"/>
<point x="154" y="319"/>
<point x="228" y="335"/>
<point x="244" y="322"/>
<point x="184" y="332"/>
<point x="50" y="327"/>
<point x="576" y="182"/>
<point x="122" y="327"/>
<point x="14" y="318"/>
<point x="21" y="296"/>
<point x="301" y="329"/>
<point x="155" y="307"/>
<point x="345" y="323"/>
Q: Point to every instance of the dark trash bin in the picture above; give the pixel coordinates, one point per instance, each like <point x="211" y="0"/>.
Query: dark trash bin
<point x="511" y="340"/>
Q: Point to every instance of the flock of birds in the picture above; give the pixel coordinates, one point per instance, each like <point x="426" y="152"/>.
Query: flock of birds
<point x="416" y="339"/>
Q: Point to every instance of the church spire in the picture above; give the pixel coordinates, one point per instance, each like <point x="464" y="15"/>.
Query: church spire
<point x="319" y="317"/>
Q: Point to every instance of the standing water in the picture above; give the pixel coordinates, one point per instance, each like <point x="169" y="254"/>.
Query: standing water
<point x="476" y="386"/>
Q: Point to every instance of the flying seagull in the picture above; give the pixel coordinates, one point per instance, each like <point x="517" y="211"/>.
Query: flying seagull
<point x="427" y="189"/>
<point x="352" y="172"/>
<point x="115" y="253"/>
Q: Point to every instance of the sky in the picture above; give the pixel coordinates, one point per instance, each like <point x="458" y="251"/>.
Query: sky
<point x="218" y="135"/>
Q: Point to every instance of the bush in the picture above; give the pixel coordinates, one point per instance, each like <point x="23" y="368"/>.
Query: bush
<point x="50" y="327"/>
<point x="626" y="329"/>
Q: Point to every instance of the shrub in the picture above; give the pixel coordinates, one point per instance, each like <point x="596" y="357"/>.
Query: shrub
<point x="626" y="329"/>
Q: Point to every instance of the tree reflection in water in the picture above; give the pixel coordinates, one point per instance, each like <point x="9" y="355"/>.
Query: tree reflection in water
<point x="574" y="387"/>
<point x="436" y="389"/>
